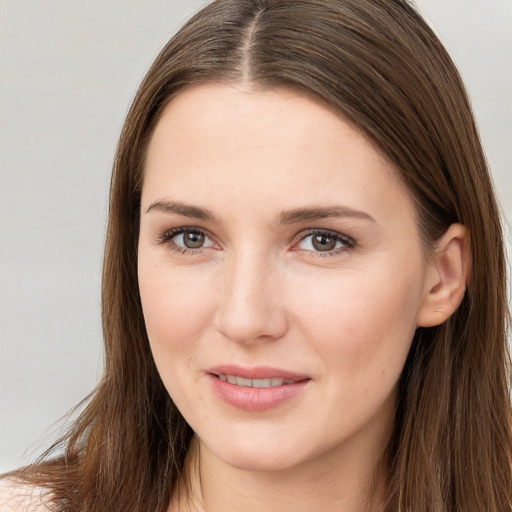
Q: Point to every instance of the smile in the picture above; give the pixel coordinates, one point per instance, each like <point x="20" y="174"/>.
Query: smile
<point x="256" y="389"/>
<point x="255" y="383"/>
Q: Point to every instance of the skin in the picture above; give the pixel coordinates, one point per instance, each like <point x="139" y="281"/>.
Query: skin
<point x="258" y="292"/>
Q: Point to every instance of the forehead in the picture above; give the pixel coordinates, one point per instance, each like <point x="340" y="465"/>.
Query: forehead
<point x="269" y="146"/>
<point x="252" y="116"/>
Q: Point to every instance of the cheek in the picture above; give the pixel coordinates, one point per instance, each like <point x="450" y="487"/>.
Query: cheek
<point x="363" y="322"/>
<point x="177" y="305"/>
<point x="360" y="329"/>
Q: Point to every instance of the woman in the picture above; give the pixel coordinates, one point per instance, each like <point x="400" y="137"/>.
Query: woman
<point x="304" y="280"/>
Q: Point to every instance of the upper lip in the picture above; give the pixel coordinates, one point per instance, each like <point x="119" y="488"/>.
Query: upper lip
<point x="256" y="372"/>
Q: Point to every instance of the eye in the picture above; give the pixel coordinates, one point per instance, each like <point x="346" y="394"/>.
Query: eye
<point x="190" y="239"/>
<point x="325" y="242"/>
<point x="187" y="239"/>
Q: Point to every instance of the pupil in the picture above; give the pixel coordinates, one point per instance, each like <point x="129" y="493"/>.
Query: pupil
<point x="193" y="240"/>
<point x="323" y="243"/>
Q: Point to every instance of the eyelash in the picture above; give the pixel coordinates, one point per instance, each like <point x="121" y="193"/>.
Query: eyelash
<point x="348" y="242"/>
<point x="166" y="239"/>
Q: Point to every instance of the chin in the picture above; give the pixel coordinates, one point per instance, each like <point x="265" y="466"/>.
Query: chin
<point x="269" y="454"/>
<point x="259" y="461"/>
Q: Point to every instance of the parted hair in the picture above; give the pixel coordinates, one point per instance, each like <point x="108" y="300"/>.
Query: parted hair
<point x="379" y="65"/>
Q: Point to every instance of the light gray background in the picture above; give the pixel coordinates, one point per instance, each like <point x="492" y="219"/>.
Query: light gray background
<point x="68" y="71"/>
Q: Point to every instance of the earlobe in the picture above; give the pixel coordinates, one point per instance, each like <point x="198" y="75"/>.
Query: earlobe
<point x="447" y="277"/>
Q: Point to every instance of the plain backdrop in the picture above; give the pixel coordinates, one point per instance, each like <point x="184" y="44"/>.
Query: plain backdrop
<point x="68" y="71"/>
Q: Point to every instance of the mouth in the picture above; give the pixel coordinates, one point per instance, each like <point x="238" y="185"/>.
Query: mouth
<point x="256" y="389"/>
<point x="255" y="383"/>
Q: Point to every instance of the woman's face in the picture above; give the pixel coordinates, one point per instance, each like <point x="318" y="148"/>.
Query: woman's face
<point x="281" y="276"/>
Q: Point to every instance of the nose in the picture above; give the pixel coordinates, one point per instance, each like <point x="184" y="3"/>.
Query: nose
<point x="250" y="309"/>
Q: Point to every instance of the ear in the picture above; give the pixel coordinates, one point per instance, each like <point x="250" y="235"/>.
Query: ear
<point x="447" y="275"/>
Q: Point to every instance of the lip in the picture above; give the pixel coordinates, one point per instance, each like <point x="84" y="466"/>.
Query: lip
<point x="256" y="372"/>
<point x="256" y="399"/>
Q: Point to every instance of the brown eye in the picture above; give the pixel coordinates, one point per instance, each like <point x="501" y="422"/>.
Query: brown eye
<point x="193" y="239"/>
<point x="323" y="242"/>
<point x="326" y="242"/>
<point x="187" y="239"/>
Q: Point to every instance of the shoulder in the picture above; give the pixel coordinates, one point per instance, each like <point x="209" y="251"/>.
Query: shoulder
<point x="15" y="496"/>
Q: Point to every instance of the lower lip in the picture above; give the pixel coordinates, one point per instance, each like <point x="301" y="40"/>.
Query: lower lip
<point x="256" y="399"/>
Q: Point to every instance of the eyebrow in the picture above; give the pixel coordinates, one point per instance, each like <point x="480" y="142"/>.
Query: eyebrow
<point x="316" y="213"/>
<point x="182" y="209"/>
<point x="287" y="217"/>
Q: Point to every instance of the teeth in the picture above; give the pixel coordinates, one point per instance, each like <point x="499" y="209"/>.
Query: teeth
<point x="255" y="383"/>
<point x="266" y="383"/>
<point x="240" y="381"/>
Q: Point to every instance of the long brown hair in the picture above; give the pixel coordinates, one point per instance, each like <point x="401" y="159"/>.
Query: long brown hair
<point x="379" y="65"/>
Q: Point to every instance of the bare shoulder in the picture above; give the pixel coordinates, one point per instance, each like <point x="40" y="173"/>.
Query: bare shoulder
<point x="16" y="496"/>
